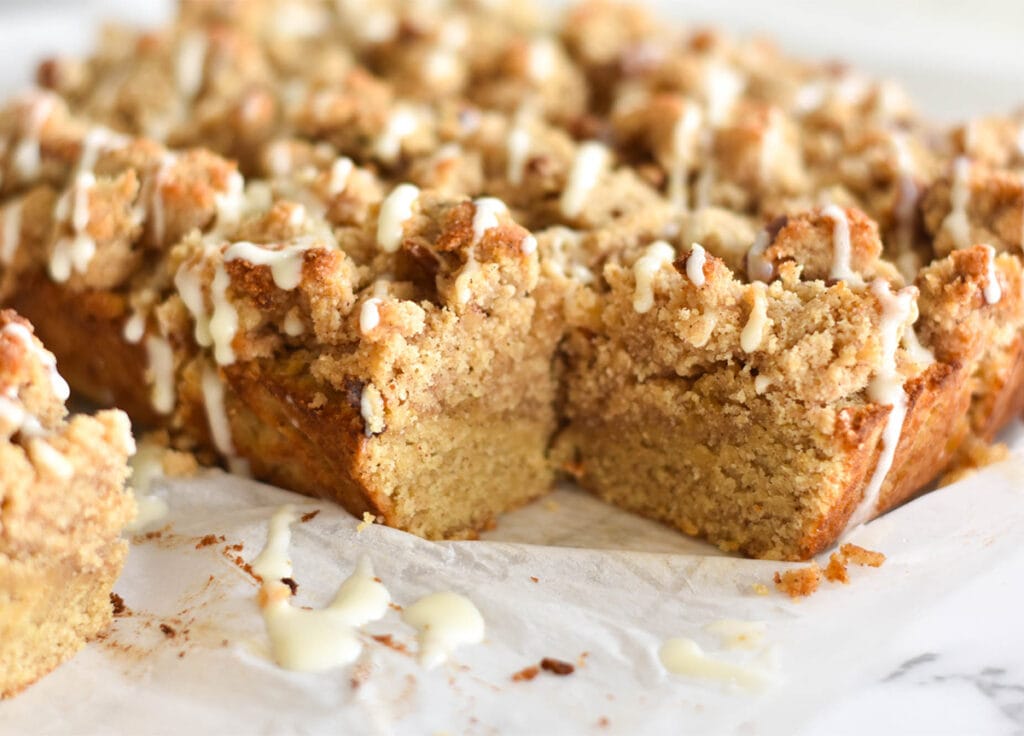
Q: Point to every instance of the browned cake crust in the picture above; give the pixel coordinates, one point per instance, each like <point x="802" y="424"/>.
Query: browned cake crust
<point x="290" y="255"/>
<point x="62" y="508"/>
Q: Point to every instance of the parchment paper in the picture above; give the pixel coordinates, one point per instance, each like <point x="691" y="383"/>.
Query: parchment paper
<point x="603" y="594"/>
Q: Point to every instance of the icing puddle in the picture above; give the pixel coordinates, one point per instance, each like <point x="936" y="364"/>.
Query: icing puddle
<point x="311" y="640"/>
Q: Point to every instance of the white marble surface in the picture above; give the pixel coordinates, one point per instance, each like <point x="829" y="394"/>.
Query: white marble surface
<point x="960" y="668"/>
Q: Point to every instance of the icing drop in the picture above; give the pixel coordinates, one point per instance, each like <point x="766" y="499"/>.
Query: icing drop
<point x="161" y="373"/>
<point x="371" y="408"/>
<point x="957" y="223"/>
<point x="841" y="251"/>
<point x="540" y="59"/>
<point x="655" y="256"/>
<point x="26" y="157"/>
<point x="21" y="333"/>
<point x="685" y="657"/>
<point x="590" y="162"/>
<point x="992" y="291"/>
<point x="695" y="264"/>
<point x="285" y="264"/>
<point x="394" y="212"/>
<point x="217" y="418"/>
<point x="908" y="193"/>
<point x="46" y="456"/>
<point x="341" y="170"/>
<point x="886" y="387"/>
<point x="188" y="68"/>
<point x="191" y="292"/>
<point x="313" y="640"/>
<point x="147" y="466"/>
<point x="444" y="621"/>
<point x="759" y="268"/>
<point x="753" y="332"/>
<point x="10" y="234"/>
<point x="685" y="135"/>
<point x="403" y="122"/>
<point x="224" y="323"/>
<point x="134" y="328"/>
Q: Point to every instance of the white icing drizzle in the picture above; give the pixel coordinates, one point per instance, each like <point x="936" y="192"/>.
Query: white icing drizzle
<point x="190" y="289"/>
<point x="285" y="263"/>
<point x="371" y="409"/>
<point x="444" y="621"/>
<point x="403" y="122"/>
<point x="528" y="245"/>
<point x="540" y="59"/>
<point x="159" y="216"/>
<point x="685" y="657"/>
<point x="917" y="352"/>
<point x="907" y="197"/>
<point x="394" y="212"/>
<point x="771" y="143"/>
<point x="217" y="415"/>
<point x="10" y="234"/>
<point x="21" y="333"/>
<point x="761" y="384"/>
<point x="341" y="170"/>
<point x="45" y="455"/>
<point x="753" y="331"/>
<point x="758" y="267"/>
<point x="886" y="387"/>
<point x="656" y="255"/>
<point x="26" y="157"/>
<point x="188" y="68"/>
<point x="841" y="251"/>
<point x="279" y="159"/>
<point x="230" y="203"/>
<point x="695" y="264"/>
<point x="485" y="217"/>
<point x="313" y="640"/>
<point x="685" y="136"/>
<point x="134" y="328"/>
<point x="957" y="223"/>
<point x="161" y="373"/>
<point x="992" y="291"/>
<point x="224" y="323"/>
<point x="590" y="162"/>
<point x="74" y="254"/>
<point x="293" y="324"/>
<point x="517" y="152"/>
<point x="369" y="313"/>
<point x="722" y="87"/>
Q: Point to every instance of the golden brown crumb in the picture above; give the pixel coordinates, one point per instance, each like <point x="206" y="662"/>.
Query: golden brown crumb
<point x="309" y="516"/>
<point x="860" y="556"/>
<point x="556" y="666"/>
<point x="800" y="582"/>
<point x="526" y="674"/>
<point x="836" y="570"/>
<point x="973" y="455"/>
<point x="368" y="519"/>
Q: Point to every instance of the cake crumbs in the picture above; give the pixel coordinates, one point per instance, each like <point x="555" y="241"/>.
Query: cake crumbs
<point x="800" y="582"/>
<point x="117" y="603"/>
<point x="368" y="519"/>
<point x="860" y="556"/>
<point x="292" y="585"/>
<point x="603" y="722"/>
<point x="167" y="631"/>
<point x="836" y="572"/>
<point x="526" y="674"/>
<point x="208" y="540"/>
<point x="534" y="578"/>
<point x="389" y="641"/>
<point x="309" y="516"/>
<point x="556" y="666"/>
